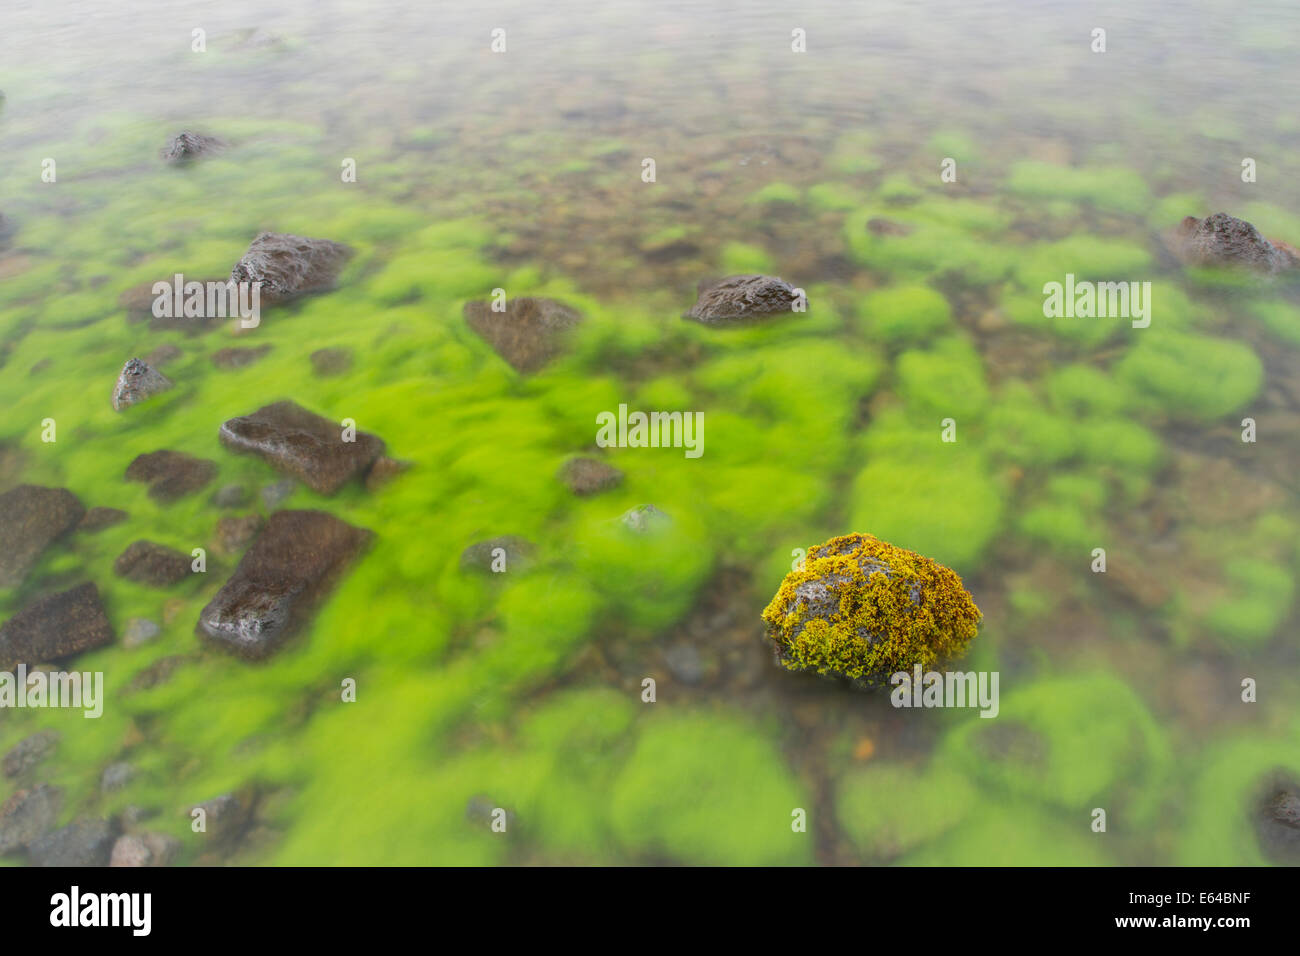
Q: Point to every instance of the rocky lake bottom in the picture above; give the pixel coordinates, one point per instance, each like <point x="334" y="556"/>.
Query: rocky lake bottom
<point x="366" y="586"/>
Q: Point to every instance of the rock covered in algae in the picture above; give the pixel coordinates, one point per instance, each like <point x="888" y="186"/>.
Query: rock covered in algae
<point x="863" y="609"/>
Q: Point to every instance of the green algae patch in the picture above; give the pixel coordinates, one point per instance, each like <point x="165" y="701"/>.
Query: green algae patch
<point x="888" y="809"/>
<point x="709" y="789"/>
<point x="863" y="609"/>
<point x="1073" y="742"/>
<point x="1192" y="377"/>
<point x="946" y="381"/>
<point x="1016" y="835"/>
<point x="934" y="497"/>
<point x="1109" y="188"/>
<point x="908" y="314"/>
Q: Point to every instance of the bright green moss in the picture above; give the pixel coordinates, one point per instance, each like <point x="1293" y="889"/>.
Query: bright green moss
<point x="1114" y="189"/>
<point x="739" y="258"/>
<point x="1073" y="742"/>
<point x="946" y="381"/>
<point x="1021" y="430"/>
<point x="907" y="314"/>
<point x="943" y="237"/>
<point x="1224" y="801"/>
<point x="1087" y="258"/>
<point x="1082" y="391"/>
<point x="1122" y="443"/>
<point x="927" y="495"/>
<point x="1190" y="376"/>
<point x="899" y="188"/>
<point x="708" y="789"/>
<point x="833" y="197"/>
<point x="777" y="193"/>
<point x="887" y="809"/>
<point x="995" y="834"/>
<point x="1260" y="602"/>
<point x="1281" y="318"/>
<point x="863" y="609"/>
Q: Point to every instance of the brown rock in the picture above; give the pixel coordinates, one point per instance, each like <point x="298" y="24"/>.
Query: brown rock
<point x="152" y="564"/>
<point x="288" y="266"/>
<point x="279" y="581"/>
<point x="28" y="815"/>
<point x="97" y="519"/>
<point x="144" y="849"/>
<point x="29" y="751"/>
<point x="171" y="474"/>
<point x="31" y="517"/>
<point x="1221" y="240"/>
<point x="736" y="300"/>
<point x="588" y="476"/>
<point x="231" y="358"/>
<point x="302" y="444"/>
<point x="528" y="334"/>
<point x="235" y="531"/>
<point x="331" y="361"/>
<point x="55" y="627"/>
<point x="186" y="147"/>
<point x="137" y="382"/>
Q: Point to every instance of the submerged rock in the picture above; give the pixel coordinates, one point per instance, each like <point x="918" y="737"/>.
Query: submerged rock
<point x="84" y="843"/>
<point x="186" y="146"/>
<point x="144" y="849"/>
<point x="528" y="334"/>
<point x="232" y="496"/>
<point x="331" y="361"/>
<point x="234" y="533"/>
<point x="383" y="471"/>
<point x="55" y="627"/>
<point x="238" y="358"/>
<point x="276" y="493"/>
<point x="27" y="816"/>
<point x="171" y="474"/>
<point x="289" y="266"/>
<point x="501" y="555"/>
<point x="31" y="518"/>
<point x="588" y="476"/>
<point x="1222" y="240"/>
<point x="644" y="518"/>
<point x="302" y="444"/>
<point x="150" y="563"/>
<point x="863" y="609"/>
<point x="29" y="751"/>
<point x="162" y="355"/>
<point x="1277" y="819"/>
<point x="97" y="519"/>
<point x="136" y="383"/>
<point x="279" y="581"/>
<point x="737" y="299"/>
<point x="138" y="631"/>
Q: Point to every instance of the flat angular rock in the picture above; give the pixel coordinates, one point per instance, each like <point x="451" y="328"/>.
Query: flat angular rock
<point x="28" y="752"/>
<point x="278" y="583"/>
<point x="31" y="517"/>
<point x="528" y="334"/>
<point x="186" y="146"/>
<point x="290" y="266"/>
<point x="737" y="299"/>
<point x="510" y="551"/>
<point x="302" y="444"/>
<point x="27" y="816"/>
<point x="644" y="519"/>
<point x="589" y="476"/>
<point x="84" y="843"/>
<point x="97" y="519"/>
<point x="136" y="383"/>
<point x="1221" y="240"/>
<point x="54" y="628"/>
<point x="150" y="563"/>
<point x="171" y="474"/>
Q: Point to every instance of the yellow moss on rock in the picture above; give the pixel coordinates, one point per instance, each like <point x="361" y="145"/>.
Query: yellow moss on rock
<point x="863" y="609"/>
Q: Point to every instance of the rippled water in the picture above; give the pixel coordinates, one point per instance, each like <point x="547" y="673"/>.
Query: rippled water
<point x="523" y="170"/>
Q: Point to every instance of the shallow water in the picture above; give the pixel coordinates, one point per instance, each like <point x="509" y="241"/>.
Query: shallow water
<point x="523" y="171"/>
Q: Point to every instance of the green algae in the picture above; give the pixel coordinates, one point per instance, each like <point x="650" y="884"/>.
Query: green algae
<point x="1228" y="374"/>
<point x="888" y="810"/>
<point x="908" y="314"/>
<point x="708" y="789"/>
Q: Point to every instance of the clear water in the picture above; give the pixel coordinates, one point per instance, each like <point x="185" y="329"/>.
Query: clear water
<point x="522" y="170"/>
